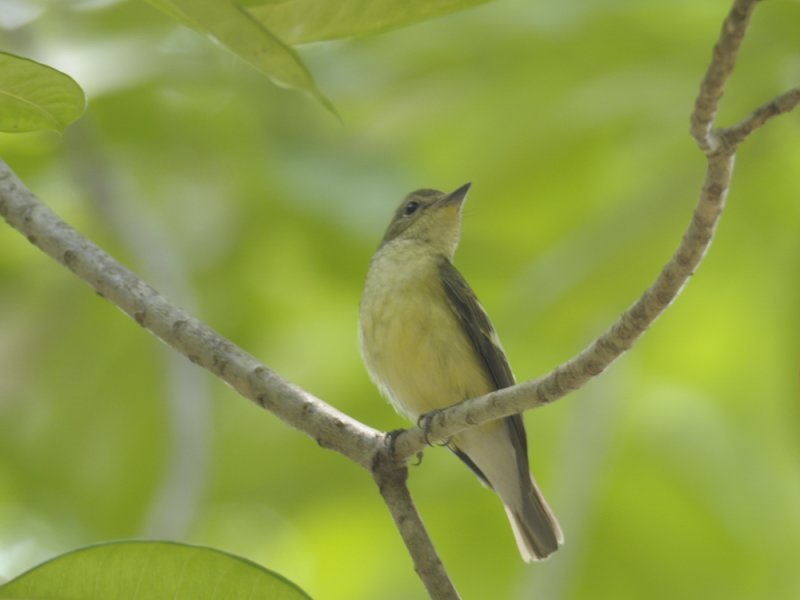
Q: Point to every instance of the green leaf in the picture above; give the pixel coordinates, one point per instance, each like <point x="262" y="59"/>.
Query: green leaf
<point x="236" y="29"/>
<point x="149" y="571"/>
<point x="34" y="96"/>
<point x="301" y="21"/>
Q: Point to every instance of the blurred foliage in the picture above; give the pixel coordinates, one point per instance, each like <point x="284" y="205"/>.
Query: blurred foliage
<point x="675" y="474"/>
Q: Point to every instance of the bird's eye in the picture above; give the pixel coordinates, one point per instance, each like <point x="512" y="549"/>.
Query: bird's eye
<point x="411" y="208"/>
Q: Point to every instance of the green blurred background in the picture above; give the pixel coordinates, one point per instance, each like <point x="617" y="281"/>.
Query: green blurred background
<point x="675" y="475"/>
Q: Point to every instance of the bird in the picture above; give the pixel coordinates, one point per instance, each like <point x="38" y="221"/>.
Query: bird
<point x="427" y="344"/>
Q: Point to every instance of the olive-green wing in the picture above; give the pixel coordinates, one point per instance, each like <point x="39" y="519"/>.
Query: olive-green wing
<point x="476" y="324"/>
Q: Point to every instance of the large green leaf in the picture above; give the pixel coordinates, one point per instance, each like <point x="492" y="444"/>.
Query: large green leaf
<point x="149" y="571"/>
<point x="34" y="96"/>
<point x="236" y="29"/>
<point x="300" y="21"/>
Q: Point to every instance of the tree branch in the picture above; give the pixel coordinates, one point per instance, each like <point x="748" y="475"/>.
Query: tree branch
<point x="391" y="475"/>
<point x="722" y="62"/>
<point x="733" y="136"/>
<point x="202" y="345"/>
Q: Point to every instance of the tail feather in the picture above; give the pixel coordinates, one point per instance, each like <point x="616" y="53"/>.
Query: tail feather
<point x="535" y="528"/>
<point x="496" y="452"/>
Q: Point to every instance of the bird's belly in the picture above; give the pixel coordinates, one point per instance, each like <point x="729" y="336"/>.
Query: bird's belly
<point x="417" y="352"/>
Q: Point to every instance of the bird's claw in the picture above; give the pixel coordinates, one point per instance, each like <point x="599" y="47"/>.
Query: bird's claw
<point x="424" y="423"/>
<point x="391" y="440"/>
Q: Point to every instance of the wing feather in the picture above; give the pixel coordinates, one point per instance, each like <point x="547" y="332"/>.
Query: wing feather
<point x="478" y="328"/>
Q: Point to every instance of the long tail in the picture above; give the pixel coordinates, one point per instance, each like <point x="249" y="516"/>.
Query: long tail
<point x="536" y="529"/>
<point x="497" y="452"/>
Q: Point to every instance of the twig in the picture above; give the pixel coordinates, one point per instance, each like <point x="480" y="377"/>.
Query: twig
<point x="722" y="62"/>
<point x="391" y="475"/>
<point x="733" y="136"/>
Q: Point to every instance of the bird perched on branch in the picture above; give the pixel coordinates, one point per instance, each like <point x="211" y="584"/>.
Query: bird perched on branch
<point x="428" y="344"/>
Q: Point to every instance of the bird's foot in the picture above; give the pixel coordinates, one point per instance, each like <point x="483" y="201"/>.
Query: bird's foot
<point x="391" y="439"/>
<point x="424" y="423"/>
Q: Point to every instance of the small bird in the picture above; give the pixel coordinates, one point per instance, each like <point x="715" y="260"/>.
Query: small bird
<point x="428" y="344"/>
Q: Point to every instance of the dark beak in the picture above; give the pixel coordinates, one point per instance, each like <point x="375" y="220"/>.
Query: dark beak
<point x="456" y="197"/>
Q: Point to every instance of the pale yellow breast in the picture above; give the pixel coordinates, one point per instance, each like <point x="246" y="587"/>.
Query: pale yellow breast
<point x="412" y="343"/>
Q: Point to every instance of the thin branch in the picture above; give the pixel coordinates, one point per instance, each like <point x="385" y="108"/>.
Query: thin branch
<point x="201" y="344"/>
<point x="722" y="62"/>
<point x="733" y="136"/>
<point x="391" y="475"/>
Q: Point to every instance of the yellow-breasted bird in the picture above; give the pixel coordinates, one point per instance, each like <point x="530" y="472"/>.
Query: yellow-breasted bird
<point x="428" y="344"/>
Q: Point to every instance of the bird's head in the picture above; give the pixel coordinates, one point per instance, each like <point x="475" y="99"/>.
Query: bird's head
<point x="430" y="218"/>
